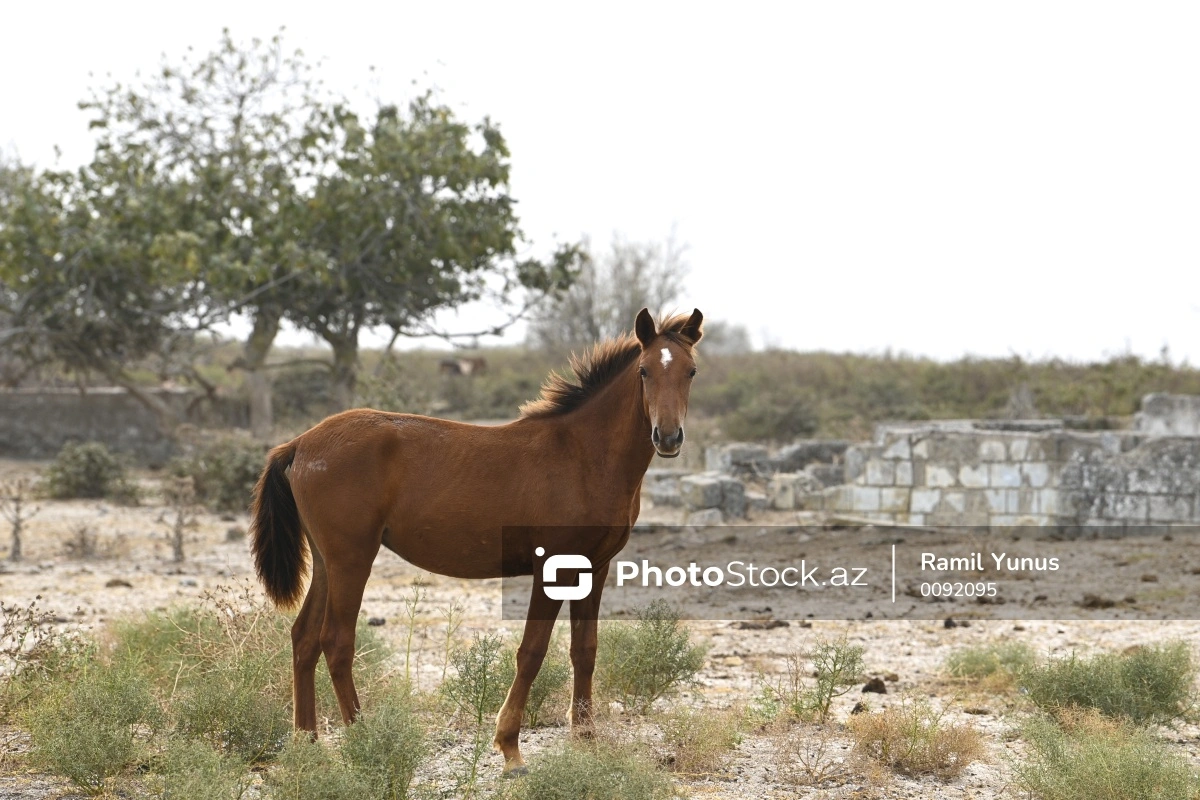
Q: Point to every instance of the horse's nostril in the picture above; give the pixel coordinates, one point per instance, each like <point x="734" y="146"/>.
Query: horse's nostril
<point x="680" y="437"/>
<point x="654" y="435"/>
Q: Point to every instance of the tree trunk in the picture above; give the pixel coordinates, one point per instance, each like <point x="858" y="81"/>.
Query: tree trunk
<point x="345" y="373"/>
<point x="258" y="384"/>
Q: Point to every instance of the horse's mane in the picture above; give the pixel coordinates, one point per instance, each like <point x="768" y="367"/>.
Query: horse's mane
<point x="595" y="369"/>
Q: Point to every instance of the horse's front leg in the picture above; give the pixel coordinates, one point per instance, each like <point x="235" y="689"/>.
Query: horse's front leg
<point x="584" y="615"/>
<point x="539" y="625"/>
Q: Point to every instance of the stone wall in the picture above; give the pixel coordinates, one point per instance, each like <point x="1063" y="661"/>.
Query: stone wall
<point x="942" y="475"/>
<point x="1169" y="415"/>
<point x="36" y="423"/>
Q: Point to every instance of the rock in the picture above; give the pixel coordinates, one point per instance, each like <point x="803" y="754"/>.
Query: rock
<point x="891" y="677"/>
<point x="949" y="623"/>
<point x="736" y="456"/>
<point x="977" y="710"/>
<point x="187" y="581"/>
<point x="762" y="624"/>
<point x="117" y="583"/>
<point x="733" y="497"/>
<point x="665" y="493"/>
<point x="875" y="686"/>
<point x="757" y="502"/>
<point x="701" y="491"/>
<point x="1096" y="601"/>
<point x="705" y="516"/>
<point x="859" y="708"/>
<point x="235" y="534"/>
<point x="1149" y="578"/>
<point x="376" y="622"/>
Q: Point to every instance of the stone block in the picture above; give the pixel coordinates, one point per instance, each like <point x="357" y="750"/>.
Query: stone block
<point x="936" y="475"/>
<point x="865" y="499"/>
<point x="1047" y="502"/>
<point x="953" y="501"/>
<point x="1035" y="474"/>
<point x="855" y="460"/>
<point x="920" y="448"/>
<point x="904" y="473"/>
<point x="973" y="476"/>
<point x="798" y="455"/>
<point x="899" y="448"/>
<point x="997" y="500"/>
<point x="827" y="474"/>
<point x="923" y="501"/>
<point x="993" y="450"/>
<point x="664" y="493"/>
<point x="1004" y="475"/>
<point x="733" y="497"/>
<point x="1128" y="508"/>
<point x="1019" y="501"/>
<point x="893" y="500"/>
<point x="1018" y="448"/>
<point x="756" y="502"/>
<point x="701" y="491"/>
<point x="880" y="473"/>
<point x="705" y="516"/>
<point x="735" y="456"/>
<point x="1170" y="508"/>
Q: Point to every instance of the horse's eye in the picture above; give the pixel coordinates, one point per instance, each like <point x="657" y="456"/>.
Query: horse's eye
<point x="692" y="374"/>
<point x="642" y="371"/>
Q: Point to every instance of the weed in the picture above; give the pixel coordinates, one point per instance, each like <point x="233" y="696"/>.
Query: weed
<point x="596" y="771"/>
<point x="639" y="662"/>
<point x="93" y="728"/>
<point x="194" y="771"/>
<point x="223" y="472"/>
<point x="551" y="679"/>
<point x="180" y="494"/>
<point x="307" y="770"/>
<point x="89" y="470"/>
<point x="477" y="690"/>
<point x="34" y="656"/>
<point x="1144" y="685"/>
<point x="810" y="755"/>
<point x="913" y="739"/>
<point x="1091" y="757"/>
<point x="700" y="739"/>
<point x="996" y="665"/>
<point x="15" y="508"/>
<point x="836" y="666"/>
<point x="385" y="745"/>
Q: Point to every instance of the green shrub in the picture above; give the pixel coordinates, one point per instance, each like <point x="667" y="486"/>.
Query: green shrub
<point x="912" y="739"/>
<point x="996" y="664"/>
<point x="385" y="745"/>
<point x="194" y="771"/>
<point x="772" y="416"/>
<point x="1093" y="758"/>
<point x="307" y="770"/>
<point x="92" y="729"/>
<point x="227" y="708"/>
<point x="596" y="772"/>
<point x="1144" y="685"/>
<point x="639" y="662"/>
<point x="551" y="679"/>
<point x="480" y="683"/>
<point x="224" y="472"/>
<point x="89" y="470"/>
<point x="836" y="667"/>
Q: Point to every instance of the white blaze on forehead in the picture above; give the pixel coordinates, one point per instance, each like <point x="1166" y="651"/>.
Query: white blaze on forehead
<point x="666" y="357"/>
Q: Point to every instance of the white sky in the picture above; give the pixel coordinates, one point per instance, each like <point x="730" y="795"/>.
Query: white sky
<point x="935" y="178"/>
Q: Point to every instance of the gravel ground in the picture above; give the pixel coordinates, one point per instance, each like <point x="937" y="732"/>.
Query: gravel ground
<point x="131" y="573"/>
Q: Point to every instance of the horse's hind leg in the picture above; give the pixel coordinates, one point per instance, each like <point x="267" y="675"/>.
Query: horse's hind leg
<point x="347" y="580"/>
<point x="306" y="647"/>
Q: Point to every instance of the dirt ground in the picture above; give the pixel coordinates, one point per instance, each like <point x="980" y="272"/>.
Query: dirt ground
<point x="131" y="572"/>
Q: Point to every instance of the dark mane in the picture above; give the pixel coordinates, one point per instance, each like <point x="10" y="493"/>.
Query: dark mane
<point x="595" y="369"/>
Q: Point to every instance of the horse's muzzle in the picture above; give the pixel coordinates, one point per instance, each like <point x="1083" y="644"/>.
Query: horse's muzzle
<point x="668" y="445"/>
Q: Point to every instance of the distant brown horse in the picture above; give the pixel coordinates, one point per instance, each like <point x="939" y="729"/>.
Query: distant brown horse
<point x="454" y="499"/>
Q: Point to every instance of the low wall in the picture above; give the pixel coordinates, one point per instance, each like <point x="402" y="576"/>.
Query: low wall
<point x="36" y="423"/>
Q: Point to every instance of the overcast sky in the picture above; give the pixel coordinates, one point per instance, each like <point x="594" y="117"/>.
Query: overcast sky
<point x="939" y="179"/>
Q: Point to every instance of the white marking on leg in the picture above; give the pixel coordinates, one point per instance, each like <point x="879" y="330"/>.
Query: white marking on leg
<point x="666" y="357"/>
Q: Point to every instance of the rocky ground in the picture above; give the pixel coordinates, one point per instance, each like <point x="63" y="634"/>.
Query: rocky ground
<point x="128" y="571"/>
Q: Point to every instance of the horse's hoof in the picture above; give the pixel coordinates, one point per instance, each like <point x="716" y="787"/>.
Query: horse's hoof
<point x="516" y="772"/>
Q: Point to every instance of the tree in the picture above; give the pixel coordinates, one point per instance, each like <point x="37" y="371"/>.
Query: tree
<point x="609" y="291"/>
<point x="411" y="214"/>
<point x="228" y="126"/>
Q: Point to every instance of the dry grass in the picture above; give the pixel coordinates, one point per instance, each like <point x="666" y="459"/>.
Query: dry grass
<point x="913" y="739"/>
<point x="700" y="740"/>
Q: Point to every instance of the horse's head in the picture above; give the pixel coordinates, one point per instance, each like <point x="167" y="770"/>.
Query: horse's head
<point x="667" y="366"/>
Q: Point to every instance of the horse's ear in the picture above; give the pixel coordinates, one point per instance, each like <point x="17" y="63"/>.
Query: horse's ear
<point x="691" y="328"/>
<point x="644" y="327"/>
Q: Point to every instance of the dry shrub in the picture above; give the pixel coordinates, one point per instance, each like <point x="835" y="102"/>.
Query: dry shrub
<point x="995" y="667"/>
<point x="812" y="755"/>
<point x="35" y="656"/>
<point x="701" y="739"/>
<point x="913" y="739"/>
<point x="1091" y="757"/>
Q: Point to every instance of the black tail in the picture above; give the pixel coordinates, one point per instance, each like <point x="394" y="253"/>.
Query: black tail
<point x="278" y="542"/>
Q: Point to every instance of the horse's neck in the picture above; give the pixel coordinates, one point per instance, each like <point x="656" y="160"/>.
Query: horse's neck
<point x="615" y="430"/>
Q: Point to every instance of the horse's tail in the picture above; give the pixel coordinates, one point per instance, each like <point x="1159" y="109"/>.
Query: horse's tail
<point x="278" y="541"/>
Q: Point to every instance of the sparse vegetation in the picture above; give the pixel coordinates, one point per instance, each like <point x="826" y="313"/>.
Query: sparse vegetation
<point x="89" y="470"/>
<point x="914" y="739"/>
<point x="34" y="657"/>
<point x="17" y="511"/>
<point x="1144" y="685"/>
<point x="810" y="755"/>
<point x="1090" y="757"/>
<point x="700" y="739"/>
<point x="93" y="727"/>
<point x="835" y="669"/>
<point x="639" y="662"/>
<point x="386" y="745"/>
<point x="223" y="472"/>
<point x="193" y="770"/>
<point x="309" y="770"/>
<point x="596" y="771"/>
<point x="476" y="691"/>
<point x="997" y="665"/>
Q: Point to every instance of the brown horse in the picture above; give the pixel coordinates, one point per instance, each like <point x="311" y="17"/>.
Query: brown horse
<point x="464" y="500"/>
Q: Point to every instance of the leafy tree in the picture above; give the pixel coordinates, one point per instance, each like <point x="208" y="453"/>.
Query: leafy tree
<point x="228" y="125"/>
<point x="411" y="214"/>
